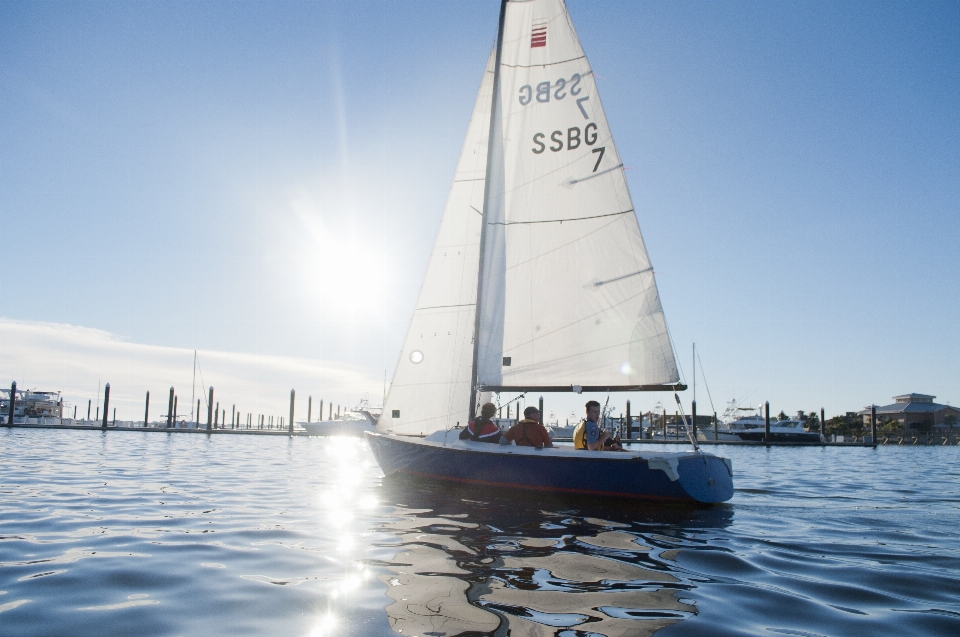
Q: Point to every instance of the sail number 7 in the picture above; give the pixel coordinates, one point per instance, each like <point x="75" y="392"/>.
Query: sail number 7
<point x="600" y="158"/>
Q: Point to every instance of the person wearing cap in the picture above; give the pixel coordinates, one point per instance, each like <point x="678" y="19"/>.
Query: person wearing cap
<point x="483" y="429"/>
<point x="528" y="432"/>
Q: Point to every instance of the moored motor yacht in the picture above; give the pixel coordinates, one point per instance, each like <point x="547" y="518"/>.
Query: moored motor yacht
<point x="32" y="407"/>
<point x="355" y="422"/>
<point x="739" y="424"/>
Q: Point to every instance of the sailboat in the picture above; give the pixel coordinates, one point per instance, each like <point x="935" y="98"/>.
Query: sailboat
<point x="539" y="281"/>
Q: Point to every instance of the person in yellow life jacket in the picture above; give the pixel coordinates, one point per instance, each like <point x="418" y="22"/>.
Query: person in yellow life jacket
<point x="588" y="435"/>
<point x="483" y="429"/>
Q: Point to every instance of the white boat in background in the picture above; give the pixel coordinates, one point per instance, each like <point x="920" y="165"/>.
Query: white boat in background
<point x="557" y="431"/>
<point x="32" y="407"/>
<point x="355" y="422"/>
<point x="740" y="424"/>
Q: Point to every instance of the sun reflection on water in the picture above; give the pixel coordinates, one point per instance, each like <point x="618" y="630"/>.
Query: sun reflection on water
<point x="325" y="626"/>
<point x="339" y="504"/>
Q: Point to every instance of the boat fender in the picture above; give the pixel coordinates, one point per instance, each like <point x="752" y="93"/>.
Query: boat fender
<point x="729" y="465"/>
<point x="668" y="465"/>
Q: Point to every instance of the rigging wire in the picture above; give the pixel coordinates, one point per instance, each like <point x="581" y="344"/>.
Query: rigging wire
<point x="675" y="357"/>
<point x="704" y="375"/>
<point x="693" y="441"/>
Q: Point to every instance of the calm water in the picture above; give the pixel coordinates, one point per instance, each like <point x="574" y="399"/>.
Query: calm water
<point x="129" y="533"/>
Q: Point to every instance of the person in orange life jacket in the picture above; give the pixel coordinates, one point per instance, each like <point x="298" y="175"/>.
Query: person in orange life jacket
<point x="588" y="434"/>
<point x="528" y="432"/>
<point x="482" y="429"/>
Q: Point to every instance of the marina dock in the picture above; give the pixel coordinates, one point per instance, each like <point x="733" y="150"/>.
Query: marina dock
<point x="932" y="440"/>
<point x="173" y="430"/>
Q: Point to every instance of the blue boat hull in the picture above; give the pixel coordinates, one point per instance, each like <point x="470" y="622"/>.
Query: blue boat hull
<point x="697" y="477"/>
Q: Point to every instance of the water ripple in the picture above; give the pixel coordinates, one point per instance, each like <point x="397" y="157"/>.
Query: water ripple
<point x="125" y="533"/>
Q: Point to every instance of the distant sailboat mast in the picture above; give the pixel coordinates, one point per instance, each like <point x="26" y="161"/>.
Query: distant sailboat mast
<point x="193" y="388"/>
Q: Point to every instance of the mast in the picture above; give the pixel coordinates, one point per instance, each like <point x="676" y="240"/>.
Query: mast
<point x="494" y="109"/>
<point x="694" y="372"/>
<point x="193" y="388"/>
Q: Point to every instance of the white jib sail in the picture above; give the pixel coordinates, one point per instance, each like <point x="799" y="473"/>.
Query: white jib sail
<point x="568" y="295"/>
<point x="431" y="385"/>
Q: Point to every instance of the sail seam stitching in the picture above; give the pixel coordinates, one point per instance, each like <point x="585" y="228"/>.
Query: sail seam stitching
<point x="517" y="223"/>
<point x="438" y="307"/>
<point x="530" y="66"/>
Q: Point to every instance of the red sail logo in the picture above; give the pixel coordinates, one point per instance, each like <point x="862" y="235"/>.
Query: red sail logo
<point x="538" y="37"/>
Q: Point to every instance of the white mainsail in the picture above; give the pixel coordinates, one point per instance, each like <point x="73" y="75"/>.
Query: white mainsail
<point x="567" y="292"/>
<point x="431" y="385"/>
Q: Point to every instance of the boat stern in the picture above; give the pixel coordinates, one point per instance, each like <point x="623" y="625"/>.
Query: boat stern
<point x="706" y="478"/>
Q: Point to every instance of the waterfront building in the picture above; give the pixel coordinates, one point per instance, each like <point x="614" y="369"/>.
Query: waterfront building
<point x="914" y="411"/>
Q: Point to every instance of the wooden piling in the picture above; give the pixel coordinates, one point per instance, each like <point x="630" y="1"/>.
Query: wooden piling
<point x="293" y="395"/>
<point x="823" y="426"/>
<point x="873" y="424"/>
<point x="309" y="407"/>
<point x="175" y="398"/>
<point x="628" y="434"/>
<point x="541" y="410"/>
<point x="106" y="405"/>
<point x="169" y="410"/>
<point x="716" y="435"/>
<point x="146" y="411"/>
<point x="13" y="403"/>
<point x="320" y="412"/>
<point x="766" y="430"/>
<point x="114" y="416"/>
<point x="210" y="409"/>
<point x="216" y="416"/>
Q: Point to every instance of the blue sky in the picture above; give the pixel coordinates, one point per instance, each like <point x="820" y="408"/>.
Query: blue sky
<point x="267" y="179"/>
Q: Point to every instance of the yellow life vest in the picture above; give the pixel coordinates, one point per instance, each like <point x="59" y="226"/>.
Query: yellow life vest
<point x="580" y="435"/>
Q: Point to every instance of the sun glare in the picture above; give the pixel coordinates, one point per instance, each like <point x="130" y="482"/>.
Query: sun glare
<point x="325" y="626"/>
<point x="344" y="272"/>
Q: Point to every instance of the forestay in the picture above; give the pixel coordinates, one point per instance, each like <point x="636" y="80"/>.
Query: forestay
<point x="568" y="292"/>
